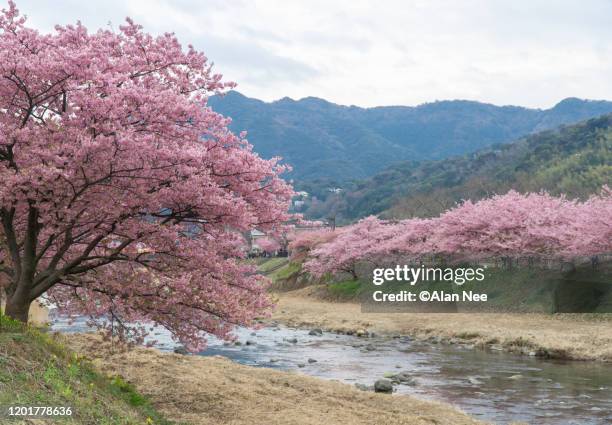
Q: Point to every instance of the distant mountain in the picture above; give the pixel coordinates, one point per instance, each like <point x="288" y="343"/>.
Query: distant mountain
<point x="574" y="160"/>
<point x="324" y="140"/>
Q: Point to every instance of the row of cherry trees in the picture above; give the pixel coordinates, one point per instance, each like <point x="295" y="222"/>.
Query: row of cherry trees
<point x="508" y="226"/>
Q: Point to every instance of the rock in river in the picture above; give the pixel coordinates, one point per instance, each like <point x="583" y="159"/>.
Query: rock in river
<point x="383" y="386"/>
<point x="363" y="387"/>
<point x="311" y="360"/>
<point x="403" y="378"/>
<point x="316" y="332"/>
<point x="181" y="350"/>
<point x="474" y="381"/>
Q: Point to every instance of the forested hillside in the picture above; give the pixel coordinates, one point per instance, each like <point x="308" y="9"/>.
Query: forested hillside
<point x="335" y="143"/>
<point x="574" y="160"/>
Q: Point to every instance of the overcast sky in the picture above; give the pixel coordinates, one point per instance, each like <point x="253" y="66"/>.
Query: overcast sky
<point x="367" y="53"/>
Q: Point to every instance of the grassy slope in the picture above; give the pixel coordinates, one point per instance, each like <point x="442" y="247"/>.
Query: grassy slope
<point x="272" y="264"/>
<point x="37" y="370"/>
<point x="345" y="289"/>
<point x="285" y="272"/>
<point x="519" y="289"/>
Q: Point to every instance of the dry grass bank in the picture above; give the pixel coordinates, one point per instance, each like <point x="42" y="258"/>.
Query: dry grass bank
<point x="36" y="369"/>
<point x="214" y="390"/>
<point x="570" y="336"/>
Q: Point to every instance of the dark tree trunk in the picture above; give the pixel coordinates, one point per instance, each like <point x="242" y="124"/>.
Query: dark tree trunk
<point x="18" y="308"/>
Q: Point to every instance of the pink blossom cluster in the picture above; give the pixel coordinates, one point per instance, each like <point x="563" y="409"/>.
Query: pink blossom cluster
<point x="302" y="242"/>
<point x="510" y="225"/>
<point x="268" y="245"/>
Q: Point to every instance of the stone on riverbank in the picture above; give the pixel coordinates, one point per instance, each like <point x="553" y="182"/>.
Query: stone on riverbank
<point x="402" y="378"/>
<point x="383" y="386"/>
<point x="181" y="350"/>
<point x="363" y="387"/>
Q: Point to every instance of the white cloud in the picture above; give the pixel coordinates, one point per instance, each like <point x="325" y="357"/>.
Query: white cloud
<point x="525" y="52"/>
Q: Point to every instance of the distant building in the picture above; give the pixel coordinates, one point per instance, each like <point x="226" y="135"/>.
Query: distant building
<point x="255" y="235"/>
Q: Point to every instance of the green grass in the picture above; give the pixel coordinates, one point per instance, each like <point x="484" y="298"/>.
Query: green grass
<point x="285" y="272"/>
<point x="271" y="263"/>
<point x="346" y="289"/>
<point x="36" y="369"/>
<point x="520" y="290"/>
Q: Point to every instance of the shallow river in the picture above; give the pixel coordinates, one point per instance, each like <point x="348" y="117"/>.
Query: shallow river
<point x="493" y="386"/>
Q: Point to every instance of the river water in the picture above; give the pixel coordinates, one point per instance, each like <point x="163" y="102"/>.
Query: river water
<point x="492" y="386"/>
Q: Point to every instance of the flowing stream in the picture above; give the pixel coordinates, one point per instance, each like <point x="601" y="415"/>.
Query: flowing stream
<point x="492" y="386"/>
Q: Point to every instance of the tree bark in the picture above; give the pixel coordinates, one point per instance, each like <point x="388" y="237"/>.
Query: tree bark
<point x="18" y="307"/>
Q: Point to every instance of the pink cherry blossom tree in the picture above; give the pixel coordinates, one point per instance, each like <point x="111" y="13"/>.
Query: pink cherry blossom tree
<point x="370" y="240"/>
<point x="352" y="244"/>
<point x="590" y="226"/>
<point x="409" y="238"/>
<point x="122" y="193"/>
<point x="302" y="242"/>
<point x="507" y="226"/>
<point x="268" y="245"/>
